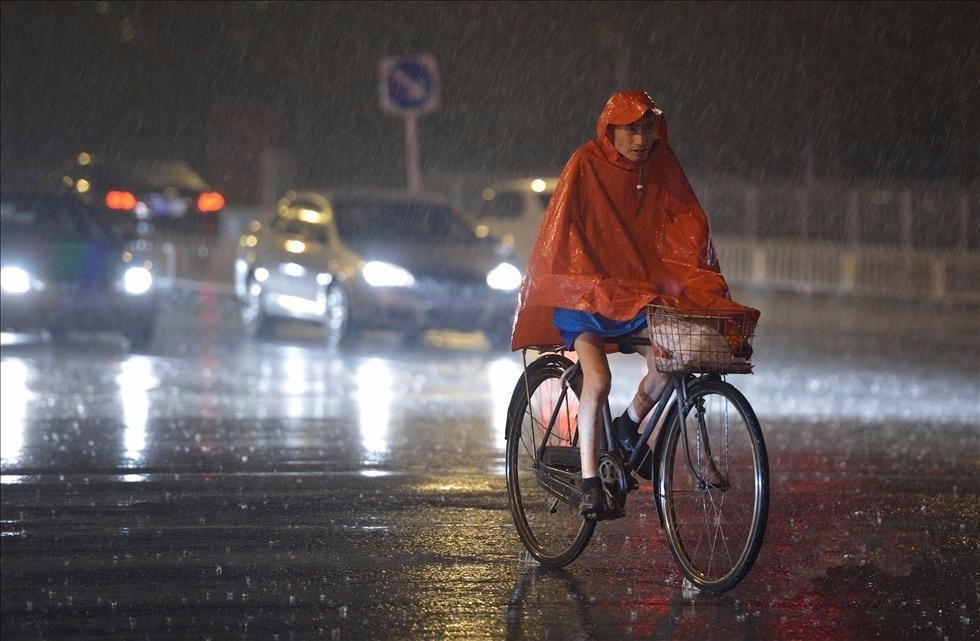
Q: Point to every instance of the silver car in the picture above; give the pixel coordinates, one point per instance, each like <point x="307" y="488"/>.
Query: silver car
<point x="356" y="261"/>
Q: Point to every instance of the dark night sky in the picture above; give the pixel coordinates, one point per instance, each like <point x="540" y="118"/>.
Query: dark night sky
<point x="877" y="89"/>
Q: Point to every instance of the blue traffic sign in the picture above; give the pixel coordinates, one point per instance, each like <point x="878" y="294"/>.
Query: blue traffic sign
<point x="409" y="84"/>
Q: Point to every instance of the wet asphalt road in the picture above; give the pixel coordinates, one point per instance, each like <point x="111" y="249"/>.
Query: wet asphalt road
<point x="214" y="488"/>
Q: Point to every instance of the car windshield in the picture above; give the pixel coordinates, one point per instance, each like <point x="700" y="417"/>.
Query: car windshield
<point x="368" y="221"/>
<point x="310" y="231"/>
<point x="49" y="217"/>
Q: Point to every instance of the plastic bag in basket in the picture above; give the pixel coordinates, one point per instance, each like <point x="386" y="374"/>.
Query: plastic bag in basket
<point x="684" y="344"/>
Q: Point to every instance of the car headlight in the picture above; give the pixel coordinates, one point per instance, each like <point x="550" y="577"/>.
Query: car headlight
<point x="15" y="280"/>
<point x="504" y="277"/>
<point x="381" y="274"/>
<point x="137" y="280"/>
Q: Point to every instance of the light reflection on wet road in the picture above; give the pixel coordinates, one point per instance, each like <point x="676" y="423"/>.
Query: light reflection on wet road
<point x="215" y="488"/>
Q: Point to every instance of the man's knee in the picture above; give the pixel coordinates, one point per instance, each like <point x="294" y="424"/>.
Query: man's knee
<point x="597" y="383"/>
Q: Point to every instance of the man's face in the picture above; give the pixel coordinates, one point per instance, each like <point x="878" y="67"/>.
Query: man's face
<point x="635" y="140"/>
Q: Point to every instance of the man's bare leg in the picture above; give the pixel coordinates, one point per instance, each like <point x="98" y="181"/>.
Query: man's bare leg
<point x="596" y="382"/>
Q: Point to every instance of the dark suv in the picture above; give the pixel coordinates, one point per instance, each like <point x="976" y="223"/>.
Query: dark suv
<point x="62" y="269"/>
<point x="143" y="195"/>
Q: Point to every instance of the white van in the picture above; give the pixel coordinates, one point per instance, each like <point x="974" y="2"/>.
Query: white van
<point x="512" y="211"/>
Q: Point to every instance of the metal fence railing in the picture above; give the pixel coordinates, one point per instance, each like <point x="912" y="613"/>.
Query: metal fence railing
<point x="919" y="216"/>
<point x="911" y="214"/>
<point x="859" y="270"/>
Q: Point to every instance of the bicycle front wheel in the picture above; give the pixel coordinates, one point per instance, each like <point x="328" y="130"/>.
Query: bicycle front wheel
<point x="541" y="412"/>
<point x="713" y="487"/>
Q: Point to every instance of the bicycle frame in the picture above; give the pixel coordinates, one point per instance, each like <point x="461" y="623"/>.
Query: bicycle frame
<point x="677" y="389"/>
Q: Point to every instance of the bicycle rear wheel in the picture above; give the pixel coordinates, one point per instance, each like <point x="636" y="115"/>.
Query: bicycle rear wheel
<point x="546" y="518"/>
<point x="715" y="517"/>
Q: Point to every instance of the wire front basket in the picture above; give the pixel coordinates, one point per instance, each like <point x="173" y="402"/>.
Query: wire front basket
<point x="709" y="342"/>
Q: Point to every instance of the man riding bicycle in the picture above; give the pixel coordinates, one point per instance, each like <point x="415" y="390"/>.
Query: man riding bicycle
<point x="623" y="229"/>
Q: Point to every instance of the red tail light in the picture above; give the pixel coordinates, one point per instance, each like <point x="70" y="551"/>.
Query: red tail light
<point x="120" y="200"/>
<point x="210" y="201"/>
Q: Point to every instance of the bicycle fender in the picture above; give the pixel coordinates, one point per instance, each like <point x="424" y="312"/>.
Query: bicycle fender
<point x="545" y="361"/>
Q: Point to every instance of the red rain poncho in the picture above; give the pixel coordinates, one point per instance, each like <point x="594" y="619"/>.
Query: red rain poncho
<point x="620" y="234"/>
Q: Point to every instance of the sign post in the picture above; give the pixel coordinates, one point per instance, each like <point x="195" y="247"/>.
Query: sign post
<point x="409" y="87"/>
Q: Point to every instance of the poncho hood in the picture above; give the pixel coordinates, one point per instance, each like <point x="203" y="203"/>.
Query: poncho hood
<point x="624" y="108"/>
<point x="619" y="234"/>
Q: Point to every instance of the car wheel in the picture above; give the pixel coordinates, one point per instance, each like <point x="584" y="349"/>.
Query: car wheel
<point x="337" y="318"/>
<point x="255" y="321"/>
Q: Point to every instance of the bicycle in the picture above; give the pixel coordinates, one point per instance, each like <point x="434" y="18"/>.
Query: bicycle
<point x="708" y="463"/>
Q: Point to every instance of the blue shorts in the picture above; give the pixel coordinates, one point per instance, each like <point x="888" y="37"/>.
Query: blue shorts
<point x="571" y="323"/>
